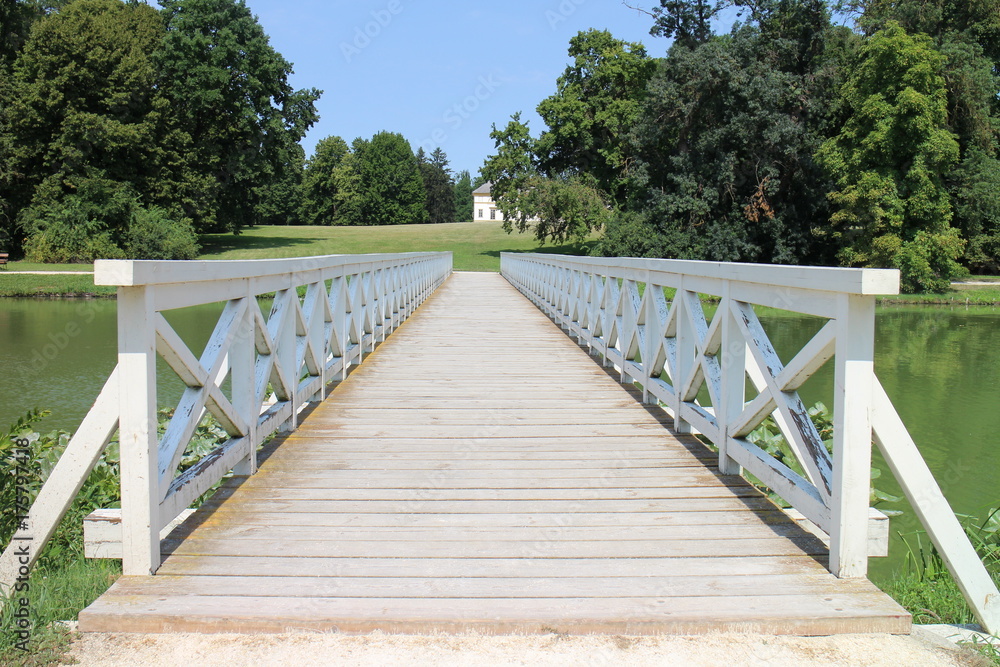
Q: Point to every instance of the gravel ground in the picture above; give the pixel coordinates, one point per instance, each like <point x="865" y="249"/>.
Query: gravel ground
<point x="303" y="650"/>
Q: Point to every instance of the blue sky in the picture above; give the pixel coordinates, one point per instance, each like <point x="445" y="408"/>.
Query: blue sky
<point x="440" y="72"/>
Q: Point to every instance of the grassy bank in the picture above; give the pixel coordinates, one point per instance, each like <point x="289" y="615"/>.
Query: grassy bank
<point x="476" y="246"/>
<point x="51" y="286"/>
<point x="970" y="294"/>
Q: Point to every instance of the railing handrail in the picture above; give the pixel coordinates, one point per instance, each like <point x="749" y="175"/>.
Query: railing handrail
<point x="671" y="350"/>
<point x="821" y="278"/>
<point x="134" y="273"/>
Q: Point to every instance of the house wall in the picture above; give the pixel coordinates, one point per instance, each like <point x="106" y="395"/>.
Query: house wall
<point x="482" y="208"/>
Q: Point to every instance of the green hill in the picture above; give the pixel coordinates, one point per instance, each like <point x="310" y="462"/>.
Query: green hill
<point x="476" y="245"/>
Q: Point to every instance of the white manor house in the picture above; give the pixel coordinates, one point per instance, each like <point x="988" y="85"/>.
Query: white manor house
<point x="484" y="208"/>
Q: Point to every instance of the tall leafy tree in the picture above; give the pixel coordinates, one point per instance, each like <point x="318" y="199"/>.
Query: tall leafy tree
<point x="438" y="186"/>
<point x="390" y="188"/>
<point x="597" y="101"/>
<point x="319" y="186"/>
<point x="509" y="170"/>
<point x="280" y="199"/>
<point x="82" y="115"/>
<point x="232" y="105"/>
<point x="724" y="168"/>
<point x="890" y="160"/>
<point x="967" y="34"/>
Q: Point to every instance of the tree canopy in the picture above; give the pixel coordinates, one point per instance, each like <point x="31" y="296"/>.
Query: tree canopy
<point x="115" y="114"/>
<point x="791" y="139"/>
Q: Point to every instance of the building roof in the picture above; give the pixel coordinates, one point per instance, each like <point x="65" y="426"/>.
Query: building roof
<point x="483" y="189"/>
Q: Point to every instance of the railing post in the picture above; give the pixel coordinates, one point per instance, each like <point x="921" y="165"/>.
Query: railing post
<point x="685" y="358"/>
<point x="734" y="380"/>
<point x="243" y="358"/>
<point x="852" y="435"/>
<point x="137" y="431"/>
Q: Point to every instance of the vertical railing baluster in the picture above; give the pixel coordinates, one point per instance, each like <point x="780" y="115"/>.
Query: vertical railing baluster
<point x="734" y="380"/>
<point x="137" y="431"/>
<point x="243" y="360"/>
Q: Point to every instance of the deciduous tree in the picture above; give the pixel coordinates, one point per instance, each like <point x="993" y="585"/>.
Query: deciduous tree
<point x="233" y="109"/>
<point x="319" y="187"/>
<point x="889" y="163"/>
<point x="597" y="101"/>
<point x="390" y="188"/>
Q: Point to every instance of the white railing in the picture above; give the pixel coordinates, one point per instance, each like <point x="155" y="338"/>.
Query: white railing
<point x="621" y="310"/>
<point x="275" y="365"/>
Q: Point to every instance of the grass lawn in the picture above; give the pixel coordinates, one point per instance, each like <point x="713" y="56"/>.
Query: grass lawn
<point x="34" y="266"/>
<point x="34" y="285"/>
<point x="960" y="295"/>
<point x="476" y="245"/>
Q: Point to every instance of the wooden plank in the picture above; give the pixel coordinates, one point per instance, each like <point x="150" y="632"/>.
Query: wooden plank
<point x="418" y="504"/>
<point x="488" y="587"/>
<point x="509" y="568"/>
<point x="226" y="514"/>
<point x="495" y="534"/>
<point x="784" y="614"/>
<point x="432" y="493"/>
<point x="580" y="480"/>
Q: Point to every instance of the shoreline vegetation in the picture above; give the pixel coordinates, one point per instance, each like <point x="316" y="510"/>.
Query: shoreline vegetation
<point x="476" y="247"/>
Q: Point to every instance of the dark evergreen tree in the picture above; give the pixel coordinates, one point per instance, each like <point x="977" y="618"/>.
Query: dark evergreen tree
<point x="463" y="197"/>
<point x="438" y="186"/>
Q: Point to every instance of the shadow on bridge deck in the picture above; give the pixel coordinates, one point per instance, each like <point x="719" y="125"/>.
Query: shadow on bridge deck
<point x="480" y="472"/>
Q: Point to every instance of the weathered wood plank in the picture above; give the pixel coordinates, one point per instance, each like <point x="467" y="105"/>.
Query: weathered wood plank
<point x="327" y="546"/>
<point x="784" y="614"/>
<point x="489" y="587"/>
<point x="224" y="514"/>
<point x="510" y="568"/>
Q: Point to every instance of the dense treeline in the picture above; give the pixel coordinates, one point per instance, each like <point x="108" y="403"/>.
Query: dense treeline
<point x="125" y="130"/>
<point x="791" y="139"/>
<point x="381" y="182"/>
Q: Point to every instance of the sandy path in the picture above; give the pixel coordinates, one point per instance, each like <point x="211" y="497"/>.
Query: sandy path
<point x="303" y="650"/>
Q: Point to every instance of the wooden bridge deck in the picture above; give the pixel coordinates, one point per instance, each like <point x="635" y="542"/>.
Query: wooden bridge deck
<point x="453" y="483"/>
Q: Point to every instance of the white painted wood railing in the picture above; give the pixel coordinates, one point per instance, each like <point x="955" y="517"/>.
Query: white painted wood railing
<point x="620" y="309"/>
<point x="275" y="365"/>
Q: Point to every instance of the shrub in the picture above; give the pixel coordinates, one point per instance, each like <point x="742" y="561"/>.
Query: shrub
<point x="67" y="232"/>
<point x="153" y="234"/>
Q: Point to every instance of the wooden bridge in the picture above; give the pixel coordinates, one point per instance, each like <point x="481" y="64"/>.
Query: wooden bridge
<point x="483" y="470"/>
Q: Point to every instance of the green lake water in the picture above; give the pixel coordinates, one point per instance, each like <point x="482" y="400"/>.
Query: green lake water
<point x="940" y="366"/>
